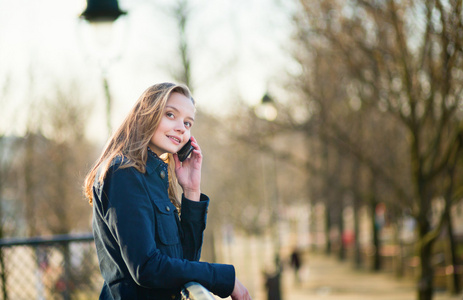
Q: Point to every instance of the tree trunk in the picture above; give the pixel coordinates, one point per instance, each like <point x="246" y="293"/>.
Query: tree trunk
<point x="313" y="230"/>
<point x="182" y="15"/>
<point x="376" y="266"/>
<point x="30" y="186"/>
<point x="453" y="279"/>
<point x="328" y="245"/>
<point x="375" y="226"/>
<point x="426" y="276"/>
<point x="328" y="202"/>
<point x="357" y="246"/>
<point x="342" y="246"/>
<point x="399" y="257"/>
<point x="451" y="260"/>
<point x="356" y="208"/>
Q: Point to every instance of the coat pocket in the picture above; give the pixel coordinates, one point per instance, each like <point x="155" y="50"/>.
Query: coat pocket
<point x="166" y="223"/>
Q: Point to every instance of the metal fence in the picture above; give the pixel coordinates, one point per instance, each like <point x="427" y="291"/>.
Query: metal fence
<point x="60" y="267"/>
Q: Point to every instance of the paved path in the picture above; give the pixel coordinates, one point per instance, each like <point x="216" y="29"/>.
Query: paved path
<point x="325" y="278"/>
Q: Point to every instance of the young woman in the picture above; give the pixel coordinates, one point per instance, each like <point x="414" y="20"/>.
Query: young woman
<point x="148" y="234"/>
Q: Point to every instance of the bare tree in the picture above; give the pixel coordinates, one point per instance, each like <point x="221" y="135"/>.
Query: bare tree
<point x="67" y="156"/>
<point x="403" y="60"/>
<point x="54" y="158"/>
<point x="182" y="12"/>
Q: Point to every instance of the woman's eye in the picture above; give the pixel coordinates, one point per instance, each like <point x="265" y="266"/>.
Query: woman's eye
<point x="170" y="115"/>
<point x="188" y="124"/>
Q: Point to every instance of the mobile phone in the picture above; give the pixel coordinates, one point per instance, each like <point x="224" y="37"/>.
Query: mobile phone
<point x="185" y="151"/>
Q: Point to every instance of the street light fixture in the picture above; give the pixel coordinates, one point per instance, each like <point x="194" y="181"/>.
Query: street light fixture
<point x="266" y="110"/>
<point x="101" y="15"/>
<point x="102" y="11"/>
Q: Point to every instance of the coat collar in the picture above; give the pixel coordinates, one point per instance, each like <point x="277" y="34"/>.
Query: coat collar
<point x="154" y="162"/>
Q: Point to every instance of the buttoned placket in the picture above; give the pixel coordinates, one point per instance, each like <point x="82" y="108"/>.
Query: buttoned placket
<point x="163" y="173"/>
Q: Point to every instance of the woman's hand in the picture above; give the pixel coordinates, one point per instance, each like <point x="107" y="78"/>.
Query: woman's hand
<point x="189" y="172"/>
<point x="240" y="292"/>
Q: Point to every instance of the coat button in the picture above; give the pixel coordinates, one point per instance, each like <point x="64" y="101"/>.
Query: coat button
<point x="167" y="208"/>
<point x="162" y="174"/>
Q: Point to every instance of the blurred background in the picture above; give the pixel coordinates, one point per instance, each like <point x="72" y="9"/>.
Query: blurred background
<point x="327" y="127"/>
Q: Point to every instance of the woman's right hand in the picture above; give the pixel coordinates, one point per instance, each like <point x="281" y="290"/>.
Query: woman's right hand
<point x="240" y="292"/>
<point x="189" y="172"/>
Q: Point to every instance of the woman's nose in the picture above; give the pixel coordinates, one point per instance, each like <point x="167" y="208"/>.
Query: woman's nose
<point x="180" y="127"/>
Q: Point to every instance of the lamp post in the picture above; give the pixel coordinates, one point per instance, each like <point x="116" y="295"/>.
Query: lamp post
<point x="101" y="14"/>
<point x="267" y="111"/>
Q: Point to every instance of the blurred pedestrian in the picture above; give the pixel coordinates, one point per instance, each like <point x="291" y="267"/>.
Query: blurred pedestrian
<point x="272" y="281"/>
<point x="296" y="263"/>
<point x="273" y="286"/>
<point x="148" y="211"/>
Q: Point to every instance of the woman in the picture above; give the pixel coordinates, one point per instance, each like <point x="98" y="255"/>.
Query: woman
<point x="148" y="234"/>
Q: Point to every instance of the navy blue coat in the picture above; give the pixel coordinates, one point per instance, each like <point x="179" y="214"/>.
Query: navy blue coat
<point x="145" y="250"/>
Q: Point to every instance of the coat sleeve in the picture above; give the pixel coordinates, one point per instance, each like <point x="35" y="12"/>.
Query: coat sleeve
<point x="128" y="213"/>
<point x="193" y="222"/>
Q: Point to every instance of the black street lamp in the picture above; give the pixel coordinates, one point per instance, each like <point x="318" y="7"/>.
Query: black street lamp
<point x="102" y="11"/>
<point x="101" y="14"/>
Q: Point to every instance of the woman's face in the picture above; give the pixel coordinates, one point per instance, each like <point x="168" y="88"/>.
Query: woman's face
<point x="174" y="129"/>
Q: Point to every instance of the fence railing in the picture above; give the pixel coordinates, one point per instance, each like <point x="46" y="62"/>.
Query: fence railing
<point x="195" y="291"/>
<point x="58" y="267"/>
<point x="61" y="267"/>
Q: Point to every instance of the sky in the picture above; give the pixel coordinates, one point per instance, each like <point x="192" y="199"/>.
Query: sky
<point x="239" y="50"/>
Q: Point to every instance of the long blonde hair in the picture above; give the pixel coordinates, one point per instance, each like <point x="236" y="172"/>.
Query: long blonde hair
<point x="131" y="139"/>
